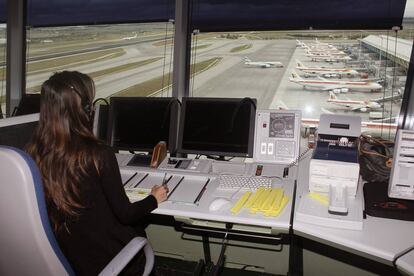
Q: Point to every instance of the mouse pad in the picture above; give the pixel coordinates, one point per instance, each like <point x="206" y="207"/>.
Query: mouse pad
<point x="189" y="189"/>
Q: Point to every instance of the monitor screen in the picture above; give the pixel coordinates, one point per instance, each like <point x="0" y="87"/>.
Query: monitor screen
<point x="139" y="123"/>
<point x="217" y="126"/>
<point x="29" y="104"/>
<point x="17" y="131"/>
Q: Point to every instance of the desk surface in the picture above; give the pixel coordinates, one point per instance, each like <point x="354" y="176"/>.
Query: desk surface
<point x="406" y="263"/>
<point x="278" y="224"/>
<point x="380" y="239"/>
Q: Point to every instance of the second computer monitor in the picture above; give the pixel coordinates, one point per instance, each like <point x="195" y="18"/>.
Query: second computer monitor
<point x="139" y="123"/>
<point x="217" y="126"/>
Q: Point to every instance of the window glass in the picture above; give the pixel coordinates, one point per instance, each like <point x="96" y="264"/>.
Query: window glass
<point x="123" y="60"/>
<point x="335" y="72"/>
<point x="3" y="36"/>
<point x="46" y="13"/>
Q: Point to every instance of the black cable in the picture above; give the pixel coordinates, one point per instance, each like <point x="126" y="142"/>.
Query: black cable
<point x="164" y="59"/>
<point x="236" y="110"/>
<point x="171" y="56"/>
<point x="100" y="99"/>
<point x="393" y="80"/>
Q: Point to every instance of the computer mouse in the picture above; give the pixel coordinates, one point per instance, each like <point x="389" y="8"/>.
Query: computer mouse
<point x="218" y="204"/>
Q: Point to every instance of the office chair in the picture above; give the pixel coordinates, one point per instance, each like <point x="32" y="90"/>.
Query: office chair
<point x="27" y="243"/>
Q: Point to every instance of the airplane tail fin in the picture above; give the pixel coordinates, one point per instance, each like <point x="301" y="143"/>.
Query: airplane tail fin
<point x="295" y="76"/>
<point x="299" y="64"/>
<point x="246" y="59"/>
<point x="332" y="96"/>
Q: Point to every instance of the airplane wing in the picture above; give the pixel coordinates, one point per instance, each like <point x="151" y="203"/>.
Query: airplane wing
<point x="358" y="107"/>
<point x="332" y="88"/>
<point x="388" y="99"/>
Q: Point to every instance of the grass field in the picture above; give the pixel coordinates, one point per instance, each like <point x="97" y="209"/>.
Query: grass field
<point x="151" y="86"/>
<point x="57" y="64"/>
<point x="241" y="48"/>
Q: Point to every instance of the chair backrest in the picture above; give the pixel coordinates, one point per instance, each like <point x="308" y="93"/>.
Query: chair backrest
<point x="27" y="243"/>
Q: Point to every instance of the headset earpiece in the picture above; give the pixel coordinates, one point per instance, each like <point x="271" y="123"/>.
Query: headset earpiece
<point x="85" y="106"/>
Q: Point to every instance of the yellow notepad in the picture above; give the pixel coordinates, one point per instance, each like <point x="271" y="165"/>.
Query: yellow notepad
<point x="240" y="203"/>
<point x="321" y="198"/>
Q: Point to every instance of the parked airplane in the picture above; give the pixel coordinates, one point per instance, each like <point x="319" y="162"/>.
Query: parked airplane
<point x="335" y="86"/>
<point x="325" y="71"/>
<point x="328" y="58"/>
<point x="324" y="51"/>
<point x="316" y="44"/>
<point x="362" y="106"/>
<point x="263" y="64"/>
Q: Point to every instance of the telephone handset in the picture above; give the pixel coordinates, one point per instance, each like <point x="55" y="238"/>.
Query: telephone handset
<point x="277" y="136"/>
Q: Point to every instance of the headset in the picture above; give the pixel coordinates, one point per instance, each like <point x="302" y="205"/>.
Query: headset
<point x="85" y="106"/>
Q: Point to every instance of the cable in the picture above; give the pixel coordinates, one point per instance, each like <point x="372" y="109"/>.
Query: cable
<point x="385" y="77"/>
<point x="298" y="159"/>
<point x="171" y="55"/>
<point x="100" y="99"/>
<point x="393" y="80"/>
<point x="195" y="33"/>
<point x="163" y="66"/>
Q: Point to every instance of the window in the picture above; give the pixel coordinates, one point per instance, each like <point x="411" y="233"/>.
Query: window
<point x="123" y="59"/>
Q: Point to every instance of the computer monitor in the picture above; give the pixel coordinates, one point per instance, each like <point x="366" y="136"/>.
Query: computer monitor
<point x="139" y="123"/>
<point x="100" y="121"/>
<point x="17" y="131"/>
<point x="29" y="104"/>
<point x="217" y="126"/>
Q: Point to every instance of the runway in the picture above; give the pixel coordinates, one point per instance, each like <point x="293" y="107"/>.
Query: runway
<point x="229" y="78"/>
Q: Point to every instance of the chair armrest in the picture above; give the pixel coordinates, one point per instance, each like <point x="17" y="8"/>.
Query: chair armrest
<point x="115" y="266"/>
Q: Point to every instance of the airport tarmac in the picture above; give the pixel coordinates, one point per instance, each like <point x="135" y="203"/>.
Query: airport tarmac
<point x="229" y="78"/>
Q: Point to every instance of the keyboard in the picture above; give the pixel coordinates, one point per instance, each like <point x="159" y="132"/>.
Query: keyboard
<point x="243" y="182"/>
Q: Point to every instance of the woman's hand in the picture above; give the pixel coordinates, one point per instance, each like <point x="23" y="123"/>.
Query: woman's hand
<point x="160" y="193"/>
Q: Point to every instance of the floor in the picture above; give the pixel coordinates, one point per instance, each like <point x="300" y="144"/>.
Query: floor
<point x="174" y="267"/>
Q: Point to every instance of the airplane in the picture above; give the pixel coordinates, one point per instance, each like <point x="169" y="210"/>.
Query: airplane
<point x="335" y="86"/>
<point x="130" y="37"/>
<point x="328" y="58"/>
<point x="325" y="71"/>
<point x="362" y="106"/>
<point x="316" y="44"/>
<point x="262" y="64"/>
<point x="324" y="51"/>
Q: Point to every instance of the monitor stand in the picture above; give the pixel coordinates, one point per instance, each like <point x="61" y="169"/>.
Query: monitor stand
<point x="140" y="160"/>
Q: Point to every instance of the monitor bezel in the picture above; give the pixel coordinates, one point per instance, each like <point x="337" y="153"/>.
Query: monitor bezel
<point x="252" y="121"/>
<point x="15" y="121"/>
<point x="174" y="114"/>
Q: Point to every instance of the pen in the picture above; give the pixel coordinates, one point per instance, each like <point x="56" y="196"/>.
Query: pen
<point x="164" y="182"/>
<point x="201" y="192"/>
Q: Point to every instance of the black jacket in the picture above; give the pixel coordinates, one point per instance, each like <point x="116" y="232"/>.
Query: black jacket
<point x="107" y="223"/>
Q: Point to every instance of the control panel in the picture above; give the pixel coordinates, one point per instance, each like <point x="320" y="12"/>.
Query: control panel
<point x="185" y="164"/>
<point x="277" y="136"/>
<point x="401" y="184"/>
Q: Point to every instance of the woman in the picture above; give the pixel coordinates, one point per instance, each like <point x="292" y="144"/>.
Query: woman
<point x="89" y="211"/>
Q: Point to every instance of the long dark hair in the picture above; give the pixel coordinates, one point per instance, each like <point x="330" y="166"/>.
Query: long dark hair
<point x="63" y="144"/>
